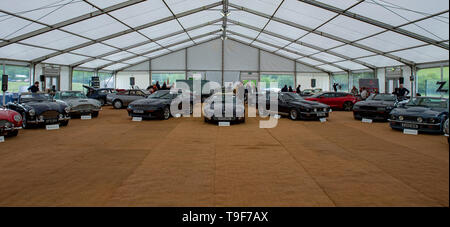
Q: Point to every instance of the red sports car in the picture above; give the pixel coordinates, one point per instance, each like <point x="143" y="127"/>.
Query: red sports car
<point x="10" y="122"/>
<point x="339" y="100"/>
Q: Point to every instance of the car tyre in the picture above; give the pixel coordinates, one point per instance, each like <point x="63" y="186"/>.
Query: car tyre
<point x="13" y="133"/>
<point x="166" y="113"/>
<point x="24" y="121"/>
<point x="95" y="114"/>
<point x="117" y="104"/>
<point x="293" y="114"/>
<point x="102" y="102"/>
<point x="348" y="106"/>
<point x="64" y="123"/>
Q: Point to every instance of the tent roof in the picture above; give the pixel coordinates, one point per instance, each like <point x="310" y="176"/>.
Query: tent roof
<point x="331" y="35"/>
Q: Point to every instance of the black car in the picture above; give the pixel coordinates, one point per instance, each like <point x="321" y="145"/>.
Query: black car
<point x="99" y="93"/>
<point x="40" y="109"/>
<point x="158" y="105"/>
<point x="295" y="107"/>
<point x="224" y="107"/>
<point x="376" y="107"/>
<point x="424" y="114"/>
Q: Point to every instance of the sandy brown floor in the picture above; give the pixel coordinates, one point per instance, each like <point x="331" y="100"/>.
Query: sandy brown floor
<point x="111" y="161"/>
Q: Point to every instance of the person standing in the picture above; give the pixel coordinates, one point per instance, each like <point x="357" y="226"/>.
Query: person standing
<point x="298" y="90"/>
<point x="402" y="91"/>
<point x="355" y="91"/>
<point x="34" y="88"/>
<point x="364" y="94"/>
<point x="158" y="87"/>
<point x="285" y="89"/>
<point x="290" y="89"/>
<point x="335" y="85"/>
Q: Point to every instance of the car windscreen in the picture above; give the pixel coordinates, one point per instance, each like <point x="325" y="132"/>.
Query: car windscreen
<point x="34" y="98"/>
<point x="291" y="96"/>
<point x="71" y="95"/>
<point x="317" y="95"/>
<point x="160" y="95"/>
<point x="428" y="102"/>
<point x="382" y="97"/>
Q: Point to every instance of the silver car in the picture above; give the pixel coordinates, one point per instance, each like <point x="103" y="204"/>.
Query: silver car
<point x="79" y="104"/>
<point x="122" y="99"/>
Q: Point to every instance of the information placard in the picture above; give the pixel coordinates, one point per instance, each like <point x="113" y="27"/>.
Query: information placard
<point x="86" y="117"/>
<point x="2" y="139"/>
<point x="323" y="120"/>
<point x="365" y="120"/>
<point x="137" y="119"/>
<point x="411" y="132"/>
<point x="224" y="124"/>
<point x="52" y="127"/>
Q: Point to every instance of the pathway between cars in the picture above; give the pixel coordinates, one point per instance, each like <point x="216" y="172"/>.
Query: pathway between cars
<point x="111" y="161"/>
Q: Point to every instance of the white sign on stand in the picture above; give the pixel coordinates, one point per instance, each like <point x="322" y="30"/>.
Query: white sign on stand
<point x="86" y="117"/>
<point x="52" y="127"/>
<point x="411" y="132"/>
<point x="137" y="119"/>
<point x="364" y="120"/>
<point x="276" y="116"/>
<point x="2" y="139"/>
<point x="323" y="120"/>
<point x="224" y="124"/>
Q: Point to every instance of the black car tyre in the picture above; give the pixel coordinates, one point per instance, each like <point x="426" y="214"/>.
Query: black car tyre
<point x="348" y="106"/>
<point x="95" y="114"/>
<point x="13" y="133"/>
<point x="166" y="113"/>
<point x="117" y="104"/>
<point x="293" y="114"/>
<point x="102" y="102"/>
<point x="24" y="121"/>
<point x="64" y="123"/>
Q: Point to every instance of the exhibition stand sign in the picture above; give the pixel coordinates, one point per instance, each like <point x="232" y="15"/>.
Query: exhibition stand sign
<point x="137" y="119"/>
<point x="369" y="121"/>
<point x="323" y="120"/>
<point x="2" y="139"/>
<point x="86" y="117"/>
<point x="224" y="124"/>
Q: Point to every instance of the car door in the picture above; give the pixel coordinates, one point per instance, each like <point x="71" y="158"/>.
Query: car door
<point x="339" y="99"/>
<point x="283" y="104"/>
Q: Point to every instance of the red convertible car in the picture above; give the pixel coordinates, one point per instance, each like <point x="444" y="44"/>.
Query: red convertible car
<point x="10" y="122"/>
<point x="338" y="100"/>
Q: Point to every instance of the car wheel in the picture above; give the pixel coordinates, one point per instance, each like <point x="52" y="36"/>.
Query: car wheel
<point x="64" y="123"/>
<point x="293" y="114"/>
<point x="95" y="114"/>
<point x="102" y="102"/>
<point x="13" y="133"/>
<point x="348" y="106"/>
<point x="166" y="113"/>
<point x="117" y="104"/>
<point x="24" y="121"/>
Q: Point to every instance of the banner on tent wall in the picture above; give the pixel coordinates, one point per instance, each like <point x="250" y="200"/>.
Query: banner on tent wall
<point x="49" y="71"/>
<point x="370" y="84"/>
<point x="394" y="73"/>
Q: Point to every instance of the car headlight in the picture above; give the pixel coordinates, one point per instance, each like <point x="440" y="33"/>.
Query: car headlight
<point x="393" y="117"/>
<point x="32" y="112"/>
<point x="41" y="117"/>
<point x="315" y="110"/>
<point x="401" y="118"/>
<point x="419" y="119"/>
<point x="432" y="120"/>
<point x="17" y="118"/>
<point x="324" y="109"/>
<point x="67" y="109"/>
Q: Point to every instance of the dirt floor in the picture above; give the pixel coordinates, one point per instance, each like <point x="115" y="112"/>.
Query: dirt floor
<point x="112" y="161"/>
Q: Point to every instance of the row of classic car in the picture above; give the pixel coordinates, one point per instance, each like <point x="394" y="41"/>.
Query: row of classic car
<point x="37" y="109"/>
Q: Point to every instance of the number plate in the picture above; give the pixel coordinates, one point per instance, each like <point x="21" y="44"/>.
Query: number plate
<point x="2" y="139"/>
<point x="52" y="127"/>
<point x="364" y="120"/>
<point x="410" y="132"/>
<point x="137" y="118"/>
<point x="323" y="120"/>
<point x="86" y="117"/>
<point x="138" y="111"/>
<point x="413" y="126"/>
<point x="321" y="114"/>
<point x="224" y="124"/>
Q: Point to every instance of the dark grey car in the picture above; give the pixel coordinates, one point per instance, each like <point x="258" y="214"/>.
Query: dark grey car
<point x="122" y="99"/>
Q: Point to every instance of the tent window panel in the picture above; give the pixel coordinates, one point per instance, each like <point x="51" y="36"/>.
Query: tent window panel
<point x="342" y="81"/>
<point x="355" y="77"/>
<point x="168" y="77"/>
<point x="106" y="80"/>
<point x="281" y="79"/>
<point x="427" y="79"/>
<point x="80" y="78"/>
<point x="18" y="77"/>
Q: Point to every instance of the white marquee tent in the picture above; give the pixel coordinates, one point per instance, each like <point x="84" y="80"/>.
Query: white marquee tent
<point x="225" y="39"/>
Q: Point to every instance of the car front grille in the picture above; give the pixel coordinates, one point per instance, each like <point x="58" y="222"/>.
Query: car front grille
<point x="5" y="124"/>
<point x="83" y="107"/>
<point x="50" y="114"/>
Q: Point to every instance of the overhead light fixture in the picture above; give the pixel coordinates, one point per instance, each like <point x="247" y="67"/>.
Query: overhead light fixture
<point x="223" y="14"/>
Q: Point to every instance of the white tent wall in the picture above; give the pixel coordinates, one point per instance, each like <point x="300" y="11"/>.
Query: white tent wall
<point x="64" y="78"/>
<point x="239" y="57"/>
<point x="274" y="63"/>
<point x="407" y="76"/>
<point x="381" y="76"/>
<point x="172" y="62"/>
<point x="307" y="69"/>
<point x="142" y="79"/>
<point x="207" y="56"/>
<point x="322" y="80"/>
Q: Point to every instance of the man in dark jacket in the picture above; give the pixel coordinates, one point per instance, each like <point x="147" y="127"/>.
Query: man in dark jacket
<point x="299" y="91"/>
<point x="34" y="88"/>
<point x="402" y="92"/>
<point x="158" y="86"/>
<point x="285" y="89"/>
